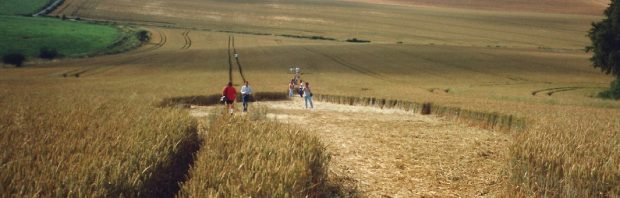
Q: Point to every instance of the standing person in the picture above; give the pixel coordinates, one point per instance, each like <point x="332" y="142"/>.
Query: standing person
<point x="300" y="91"/>
<point x="291" y="87"/>
<point x="246" y="92"/>
<point x="230" y="95"/>
<point x="308" y="95"/>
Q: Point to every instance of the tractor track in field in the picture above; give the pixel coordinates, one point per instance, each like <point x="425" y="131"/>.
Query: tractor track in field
<point x="455" y="65"/>
<point x="188" y="40"/>
<point x="232" y="50"/>
<point x="163" y="39"/>
<point x="80" y="72"/>
<point x="237" y="59"/>
<point x="351" y="66"/>
<point x="551" y="91"/>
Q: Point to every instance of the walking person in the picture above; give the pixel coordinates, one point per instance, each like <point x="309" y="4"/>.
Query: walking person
<point x="246" y="92"/>
<point x="291" y="88"/>
<point x="230" y="95"/>
<point x="301" y="88"/>
<point x="308" y="95"/>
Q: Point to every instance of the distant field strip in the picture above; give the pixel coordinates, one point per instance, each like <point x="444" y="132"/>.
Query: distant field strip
<point x="380" y="24"/>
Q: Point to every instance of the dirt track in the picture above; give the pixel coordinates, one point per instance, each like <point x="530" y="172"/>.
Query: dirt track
<point x="394" y="153"/>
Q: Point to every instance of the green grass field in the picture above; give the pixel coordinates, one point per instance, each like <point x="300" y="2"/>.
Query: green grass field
<point x="20" y="7"/>
<point x="27" y="35"/>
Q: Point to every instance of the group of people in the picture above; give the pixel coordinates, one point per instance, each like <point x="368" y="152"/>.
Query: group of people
<point x="303" y="89"/>
<point x="229" y="95"/>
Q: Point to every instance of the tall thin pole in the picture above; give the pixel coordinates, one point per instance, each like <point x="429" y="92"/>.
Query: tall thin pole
<point x="229" y="61"/>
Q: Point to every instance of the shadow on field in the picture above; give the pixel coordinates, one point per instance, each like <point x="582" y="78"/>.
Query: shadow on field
<point x="209" y="100"/>
<point x="168" y="177"/>
<point x="341" y="186"/>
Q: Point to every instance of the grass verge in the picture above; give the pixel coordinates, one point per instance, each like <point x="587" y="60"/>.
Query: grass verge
<point x="242" y="157"/>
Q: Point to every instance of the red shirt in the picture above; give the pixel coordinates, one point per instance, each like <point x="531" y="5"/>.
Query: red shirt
<point x="230" y="93"/>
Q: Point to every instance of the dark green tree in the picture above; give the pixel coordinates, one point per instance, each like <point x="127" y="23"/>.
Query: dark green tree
<point x="605" y="37"/>
<point x="16" y="59"/>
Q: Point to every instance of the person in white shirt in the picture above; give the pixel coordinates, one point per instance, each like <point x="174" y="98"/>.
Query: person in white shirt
<point x="246" y="92"/>
<point x="307" y="93"/>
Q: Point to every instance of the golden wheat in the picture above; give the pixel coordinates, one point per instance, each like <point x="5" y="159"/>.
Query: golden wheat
<point x="570" y="154"/>
<point x="59" y="140"/>
<point x="253" y="157"/>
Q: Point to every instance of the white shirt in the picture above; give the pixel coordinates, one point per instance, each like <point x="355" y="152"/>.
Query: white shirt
<point x="246" y="89"/>
<point x="307" y="91"/>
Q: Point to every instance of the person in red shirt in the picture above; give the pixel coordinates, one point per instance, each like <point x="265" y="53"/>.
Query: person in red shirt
<point x="230" y="94"/>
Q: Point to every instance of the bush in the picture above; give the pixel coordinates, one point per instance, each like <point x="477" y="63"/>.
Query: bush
<point x="613" y="92"/>
<point x="48" y="53"/>
<point x="143" y="36"/>
<point x="16" y="59"/>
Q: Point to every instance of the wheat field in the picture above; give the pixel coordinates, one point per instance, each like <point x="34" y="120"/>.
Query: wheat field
<point x="106" y="132"/>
